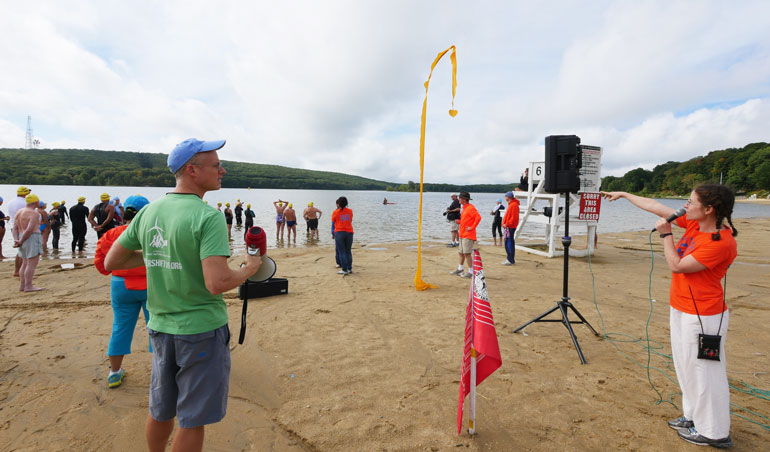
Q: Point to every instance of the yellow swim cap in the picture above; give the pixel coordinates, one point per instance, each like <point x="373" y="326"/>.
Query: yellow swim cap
<point x="55" y="204"/>
<point x="22" y="190"/>
<point x="289" y="205"/>
<point x="63" y="201"/>
<point x="227" y="204"/>
<point x="82" y="199"/>
<point x="219" y="203"/>
<point x="248" y="205"/>
<point x="310" y="204"/>
<point x="104" y="197"/>
<point x="31" y="198"/>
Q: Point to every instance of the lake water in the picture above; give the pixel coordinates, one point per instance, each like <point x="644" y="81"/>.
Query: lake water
<point x="373" y="222"/>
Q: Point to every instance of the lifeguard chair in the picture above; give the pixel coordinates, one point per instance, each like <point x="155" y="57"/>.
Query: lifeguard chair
<point x="551" y="215"/>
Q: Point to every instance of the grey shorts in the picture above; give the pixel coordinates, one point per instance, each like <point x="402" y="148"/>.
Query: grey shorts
<point x="31" y="247"/>
<point x="467" y="246"/>
<point x="190" y="376"/>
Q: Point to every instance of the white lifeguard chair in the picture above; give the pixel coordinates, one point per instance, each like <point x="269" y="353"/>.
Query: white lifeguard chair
<point x="553" y="223"/>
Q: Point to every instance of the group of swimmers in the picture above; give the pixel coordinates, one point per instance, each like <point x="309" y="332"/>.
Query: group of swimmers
<point x="285" y="218"/>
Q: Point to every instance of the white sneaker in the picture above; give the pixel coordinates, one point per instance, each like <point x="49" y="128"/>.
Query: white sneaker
<point x="338" y="266"/>
<point x="342" y="272"/>
<point x="505" y="262"/>
<point x="466" y="275"/>
<point x="456" y="272"/>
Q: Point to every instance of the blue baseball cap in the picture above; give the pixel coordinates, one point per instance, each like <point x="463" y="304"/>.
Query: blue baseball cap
<point x="185" y="150"/>
<point x="135" y="202"/>
<point x="500" y="200"/>
<point x="509" y="194"/>
<point x="1" y="199"/>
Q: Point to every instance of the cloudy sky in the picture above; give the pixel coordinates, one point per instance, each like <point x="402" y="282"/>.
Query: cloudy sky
<point x="338" y="85"/>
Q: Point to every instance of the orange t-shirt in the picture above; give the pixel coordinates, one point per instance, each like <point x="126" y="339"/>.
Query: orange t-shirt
<point x="134" y="278"/>
<point x="511" y="219"/>
<point x="469" y="218"/>
<point x="706" y="284"/>
<point x="343" y="220"/>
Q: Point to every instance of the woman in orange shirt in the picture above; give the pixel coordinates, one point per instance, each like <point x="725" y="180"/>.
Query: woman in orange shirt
<point x="343" y="235"/>
<point x="698" y="262"/>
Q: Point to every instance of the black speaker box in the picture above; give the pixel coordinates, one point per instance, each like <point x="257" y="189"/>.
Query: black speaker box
<point x="562" y="162"/>
<point x="267" y="288"/>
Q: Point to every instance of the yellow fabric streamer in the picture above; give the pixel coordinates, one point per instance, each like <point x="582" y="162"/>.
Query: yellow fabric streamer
<point x="419" y="284"/>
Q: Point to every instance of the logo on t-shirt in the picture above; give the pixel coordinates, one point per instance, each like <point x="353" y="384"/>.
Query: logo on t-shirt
<point x="158" y="241"/>
<point x="685" y="244"/>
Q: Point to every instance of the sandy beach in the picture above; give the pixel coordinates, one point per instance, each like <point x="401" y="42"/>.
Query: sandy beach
<point x="366" y="363"/>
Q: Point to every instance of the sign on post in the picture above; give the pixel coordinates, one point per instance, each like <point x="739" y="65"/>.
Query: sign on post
<point x="590" y="204"/>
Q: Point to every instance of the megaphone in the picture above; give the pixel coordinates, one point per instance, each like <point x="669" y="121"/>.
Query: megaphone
<point x="266" y="270"/>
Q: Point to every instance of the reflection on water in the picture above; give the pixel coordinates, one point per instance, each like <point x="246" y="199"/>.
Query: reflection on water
<point x="373" y="222"/>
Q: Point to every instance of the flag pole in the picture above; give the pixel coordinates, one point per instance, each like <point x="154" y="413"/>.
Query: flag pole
<point x="472" y="408"/>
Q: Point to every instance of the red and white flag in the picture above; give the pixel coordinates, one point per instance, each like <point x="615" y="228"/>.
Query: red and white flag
<point x="481" y="353"/>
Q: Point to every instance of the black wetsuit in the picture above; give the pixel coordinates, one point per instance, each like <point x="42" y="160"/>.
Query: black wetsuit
<point x="62" y="214"/>
<point x="249" y="218"/>
<point x="53" y="220"/>
<point x="238" y="213"/>
<point x="497" y="228"/>
<point x="228" y="216"/>
<point x="78" y="215"/>
<point x="101" y="216"/>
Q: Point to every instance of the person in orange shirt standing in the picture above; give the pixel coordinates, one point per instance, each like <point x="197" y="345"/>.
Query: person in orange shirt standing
<point x="343" y="235"/>
<point x="469" y="219"/>
<point x="510" y="223"/>
<point x="698" y="313"/>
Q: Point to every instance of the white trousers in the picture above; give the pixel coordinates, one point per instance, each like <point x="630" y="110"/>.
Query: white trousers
<point x="705" y="392"/>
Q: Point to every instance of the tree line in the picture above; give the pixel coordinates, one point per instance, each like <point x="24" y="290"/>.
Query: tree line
<point x="745" y="170"/>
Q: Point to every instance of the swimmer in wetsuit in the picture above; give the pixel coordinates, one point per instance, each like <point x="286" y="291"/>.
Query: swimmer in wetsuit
<point x="78" y="215"/>
<point x="238" y="212"/>
<point x="280" y="206"/>
<point x="229" y="220"/>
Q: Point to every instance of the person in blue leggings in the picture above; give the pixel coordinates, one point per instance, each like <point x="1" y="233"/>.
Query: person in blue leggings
<point x="128" y="295"/>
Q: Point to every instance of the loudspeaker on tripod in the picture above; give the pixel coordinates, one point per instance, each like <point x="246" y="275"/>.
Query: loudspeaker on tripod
<point x="562" y="162"/>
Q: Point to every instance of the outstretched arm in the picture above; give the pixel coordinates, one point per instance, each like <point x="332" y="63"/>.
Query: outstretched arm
<point x="648" y="204"/>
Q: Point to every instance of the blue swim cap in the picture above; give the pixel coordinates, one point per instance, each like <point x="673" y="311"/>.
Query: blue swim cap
<point x="1" y="199"/>
<point x="136" y="202"/>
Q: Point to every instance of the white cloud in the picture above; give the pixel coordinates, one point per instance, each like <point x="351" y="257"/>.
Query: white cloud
<point x="337" y="85"/>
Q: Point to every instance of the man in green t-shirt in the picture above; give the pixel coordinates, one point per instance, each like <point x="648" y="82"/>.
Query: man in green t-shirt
<point x="183" y="244"/>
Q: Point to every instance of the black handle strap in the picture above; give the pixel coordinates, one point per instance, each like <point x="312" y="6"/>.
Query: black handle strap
<point x="242" y="335"/>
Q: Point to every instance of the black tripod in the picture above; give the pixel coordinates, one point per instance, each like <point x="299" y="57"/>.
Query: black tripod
<point x="564" y="303"/>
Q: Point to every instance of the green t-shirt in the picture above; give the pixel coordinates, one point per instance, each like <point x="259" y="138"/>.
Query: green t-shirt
<point x="175" y="233"/>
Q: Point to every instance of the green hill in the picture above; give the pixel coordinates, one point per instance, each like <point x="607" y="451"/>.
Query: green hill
<point x="116" y="168"/>
<point x="139" y="169"/>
